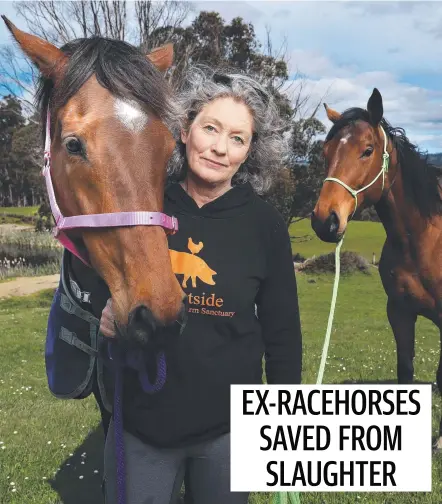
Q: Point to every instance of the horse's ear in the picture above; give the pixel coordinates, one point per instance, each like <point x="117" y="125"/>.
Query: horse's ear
<point x="162" y="57"/>
<point x="332" y="114"/>
<point x="43" y="54"/>
<point x="375" y="107"/>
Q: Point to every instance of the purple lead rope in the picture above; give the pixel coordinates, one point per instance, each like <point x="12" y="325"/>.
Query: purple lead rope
<point x="119" y="440"/>
<point x="118" y="414"/>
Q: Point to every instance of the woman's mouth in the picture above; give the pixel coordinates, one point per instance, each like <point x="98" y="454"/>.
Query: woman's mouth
<point x="214" y="164"/>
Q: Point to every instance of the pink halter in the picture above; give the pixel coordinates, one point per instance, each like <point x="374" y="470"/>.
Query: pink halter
<point x="94" y="220"/>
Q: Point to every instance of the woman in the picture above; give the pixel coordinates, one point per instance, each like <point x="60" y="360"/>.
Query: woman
<point x="232" y="255"/>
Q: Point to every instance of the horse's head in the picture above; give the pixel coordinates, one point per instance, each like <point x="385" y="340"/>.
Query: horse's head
<point x="355" y="152"/>
<point x="109" y="150"/>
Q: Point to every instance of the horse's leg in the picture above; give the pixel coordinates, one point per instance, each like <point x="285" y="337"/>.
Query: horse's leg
<point x="438" y="444"/>
<point x="403" y="324"/>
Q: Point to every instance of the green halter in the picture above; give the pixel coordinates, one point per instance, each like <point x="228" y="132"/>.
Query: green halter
<point x="384" y="170"/>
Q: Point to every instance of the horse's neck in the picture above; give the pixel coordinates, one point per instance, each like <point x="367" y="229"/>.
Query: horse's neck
<point x="400" y="217"/>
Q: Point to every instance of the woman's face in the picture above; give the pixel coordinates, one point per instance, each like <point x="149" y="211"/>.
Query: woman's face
<point x="218" y="140"/>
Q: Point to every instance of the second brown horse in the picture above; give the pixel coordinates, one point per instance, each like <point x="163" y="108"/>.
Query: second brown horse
<point x="406" y="193"/>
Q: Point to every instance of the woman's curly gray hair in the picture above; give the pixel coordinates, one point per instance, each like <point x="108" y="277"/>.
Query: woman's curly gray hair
<point x="269" y="148"/>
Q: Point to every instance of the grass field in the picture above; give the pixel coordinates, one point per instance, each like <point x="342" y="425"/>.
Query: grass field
<point x="361" y="237"/>
<point x="50" y="450"/>
<point x="7" y="275"/>
<point x="18" y="215"/>
<point x="22" y="211"/>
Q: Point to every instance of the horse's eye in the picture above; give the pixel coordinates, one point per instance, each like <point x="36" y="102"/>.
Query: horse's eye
<point x="74" y="146"/>
<point x="368" y="152"/>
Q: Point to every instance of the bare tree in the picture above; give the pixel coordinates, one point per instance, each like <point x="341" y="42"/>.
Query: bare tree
<point x="49" y="20"/>
<point x="151" y="16"/>
<point x="109" y="18"/>
<point x="61" y="21"/>
<point x="17" y="78"/>
<point x="58" y="22"/>
<point x="278" y="57"/>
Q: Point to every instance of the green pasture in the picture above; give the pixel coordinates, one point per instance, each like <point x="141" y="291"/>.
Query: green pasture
<point x="18" y="215"/>
<point x="28" y="211"/>
<point x="363" y="238"/>
<point x="51" y="450"/>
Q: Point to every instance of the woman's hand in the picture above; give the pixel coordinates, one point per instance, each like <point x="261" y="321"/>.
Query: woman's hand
<point x="107" y="321"/>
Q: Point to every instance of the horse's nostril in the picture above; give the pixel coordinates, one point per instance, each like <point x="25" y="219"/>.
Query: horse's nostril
<point x="142" y="316"/>
<point x="327" y="230"/>
<point x="142" y="325"/>
<point x="334" y="223"/>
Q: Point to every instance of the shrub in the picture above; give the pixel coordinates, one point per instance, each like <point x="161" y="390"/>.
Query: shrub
<point x="298" y="258"/>
<point x="368" y="214"/>
<point x="350" y="263"/>
<point x="29" y="239"/>
<point x="45" y="221"/>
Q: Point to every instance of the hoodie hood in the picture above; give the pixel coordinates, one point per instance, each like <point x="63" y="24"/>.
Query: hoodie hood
<point x="232" y="203"/>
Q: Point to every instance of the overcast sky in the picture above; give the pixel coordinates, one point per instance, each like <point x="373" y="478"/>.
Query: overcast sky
<point x="345" y="48"/>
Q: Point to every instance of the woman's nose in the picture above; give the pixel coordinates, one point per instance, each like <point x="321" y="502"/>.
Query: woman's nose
<point x="220" y="145"/>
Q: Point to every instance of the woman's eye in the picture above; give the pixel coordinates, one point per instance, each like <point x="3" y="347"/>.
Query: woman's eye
<point x="368" y="152"/>
<point x="238" y="140"/>
<point x="210" y="128"/>
<point x="74" y="146"/>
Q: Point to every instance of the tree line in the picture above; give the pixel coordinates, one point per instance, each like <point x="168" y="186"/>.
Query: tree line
<point x="208" y="39"/>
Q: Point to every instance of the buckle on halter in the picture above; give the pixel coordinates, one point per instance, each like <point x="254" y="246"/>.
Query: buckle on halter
<point x="47" y="163"/>
<point x="174" y="225"/>
<point x="55" y="232"/>
<point x="385" y="161"/>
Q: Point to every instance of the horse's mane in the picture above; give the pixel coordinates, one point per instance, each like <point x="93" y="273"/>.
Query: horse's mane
<point x="421" y="182"/>
<point x="118" y="66"/>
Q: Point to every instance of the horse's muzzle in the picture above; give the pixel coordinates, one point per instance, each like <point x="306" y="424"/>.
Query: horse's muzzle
<point x="328" y="230"/>
<point x="144" y="330"/>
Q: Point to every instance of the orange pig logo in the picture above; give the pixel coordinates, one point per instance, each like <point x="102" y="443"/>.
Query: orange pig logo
<point x="191" y="266"/>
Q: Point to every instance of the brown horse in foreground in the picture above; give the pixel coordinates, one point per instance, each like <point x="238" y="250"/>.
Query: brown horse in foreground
<point x="407" y="196"/>
<point x="110" y="106"/>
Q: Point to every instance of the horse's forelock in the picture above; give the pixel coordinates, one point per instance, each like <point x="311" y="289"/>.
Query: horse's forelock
<point x="119" y="67"/>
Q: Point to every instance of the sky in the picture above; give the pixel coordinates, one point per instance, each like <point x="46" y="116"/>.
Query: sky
<point x="343" y="49"/>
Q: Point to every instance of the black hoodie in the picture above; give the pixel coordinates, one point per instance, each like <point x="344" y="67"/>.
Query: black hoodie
<point x="230" y="255"/>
